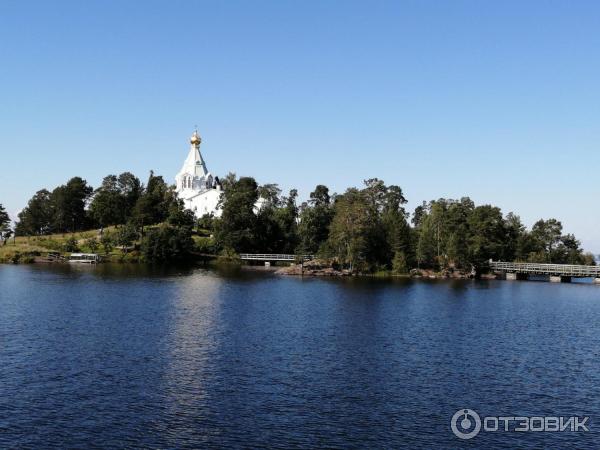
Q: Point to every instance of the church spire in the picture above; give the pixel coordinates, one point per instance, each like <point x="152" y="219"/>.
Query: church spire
<point x="193" y="174"/>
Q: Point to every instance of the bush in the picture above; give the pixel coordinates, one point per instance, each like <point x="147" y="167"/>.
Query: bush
<point x="206" y="245"/>
<point x="206" y="223"/>
<point x="126" y="236"/>
<point x="400" y="263"/>
<point x="70" y="245"/>
<point x="15" y="257"/>
<point x="166" y="243"/>
<point x="180" y="217"/>
<point x="229" y="253"/>
<point x="107" y="242"/>
<point x="19" y="258"/>
<point x="92" y="244"/>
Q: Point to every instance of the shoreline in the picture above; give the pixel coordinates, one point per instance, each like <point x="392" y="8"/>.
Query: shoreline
<point x="308" y="270"/>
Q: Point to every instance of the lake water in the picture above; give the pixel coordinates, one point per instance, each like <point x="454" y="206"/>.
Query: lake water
<point x="126" y="356"/>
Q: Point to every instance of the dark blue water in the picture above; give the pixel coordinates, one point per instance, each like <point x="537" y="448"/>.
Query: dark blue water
<point x="114" y="357"/>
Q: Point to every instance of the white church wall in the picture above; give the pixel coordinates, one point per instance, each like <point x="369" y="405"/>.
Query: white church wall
<point x="205" y="203"/>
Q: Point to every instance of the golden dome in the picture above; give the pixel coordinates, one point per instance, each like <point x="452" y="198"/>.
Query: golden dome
<point x="195" y="139"/>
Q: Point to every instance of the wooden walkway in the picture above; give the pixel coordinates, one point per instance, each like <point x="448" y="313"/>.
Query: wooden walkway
<point x="273" y="257"/>
<point x="562" y="270"/>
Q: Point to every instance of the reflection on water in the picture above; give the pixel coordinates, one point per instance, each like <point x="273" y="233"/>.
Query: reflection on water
<point x="128" y="355"/>
<point x="193" y="337"/>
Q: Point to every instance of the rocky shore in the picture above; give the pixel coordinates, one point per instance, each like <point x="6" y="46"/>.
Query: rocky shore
<point x="319" y="268"/>
<point x="314" y="268"/>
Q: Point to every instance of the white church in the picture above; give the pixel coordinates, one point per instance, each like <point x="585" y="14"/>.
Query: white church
<point x="197" y="187"/>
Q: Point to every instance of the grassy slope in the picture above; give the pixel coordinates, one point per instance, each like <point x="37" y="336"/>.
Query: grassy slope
<point x="34" y="245"/>
<point x="44" y="244"/>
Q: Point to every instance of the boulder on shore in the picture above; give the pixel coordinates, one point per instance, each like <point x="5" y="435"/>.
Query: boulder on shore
<point x="315" y="268"/>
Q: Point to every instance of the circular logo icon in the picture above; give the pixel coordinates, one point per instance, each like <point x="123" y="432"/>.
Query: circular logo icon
<point x="465" y="424"/>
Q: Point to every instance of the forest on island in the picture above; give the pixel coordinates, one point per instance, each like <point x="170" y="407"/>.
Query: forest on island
<point x="366" y="229"/>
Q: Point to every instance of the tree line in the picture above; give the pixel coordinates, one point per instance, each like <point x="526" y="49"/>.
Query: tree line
<point x="366" y="229"/>
<point x="122" y="201"/>
<point x="369" y="229"/>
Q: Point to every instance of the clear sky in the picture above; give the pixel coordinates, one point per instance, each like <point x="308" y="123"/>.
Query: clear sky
<point x="499" y="101"/>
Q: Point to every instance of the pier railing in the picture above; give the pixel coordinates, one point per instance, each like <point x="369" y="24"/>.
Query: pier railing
<point x="273" y="257"/>
<point x="566" y="270"/>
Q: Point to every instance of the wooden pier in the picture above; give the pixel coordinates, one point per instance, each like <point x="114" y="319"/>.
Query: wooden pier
<point x="270" y="257"/>
<point x="556" y="272"/>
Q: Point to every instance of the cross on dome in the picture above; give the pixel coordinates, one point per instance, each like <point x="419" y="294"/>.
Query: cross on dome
<point x="195" y="139"/>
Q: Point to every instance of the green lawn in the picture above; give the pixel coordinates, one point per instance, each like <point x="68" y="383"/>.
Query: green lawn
<point x="24" y="249"/>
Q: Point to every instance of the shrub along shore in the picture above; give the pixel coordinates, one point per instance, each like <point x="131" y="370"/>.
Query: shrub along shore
<point x="364" y="230"/>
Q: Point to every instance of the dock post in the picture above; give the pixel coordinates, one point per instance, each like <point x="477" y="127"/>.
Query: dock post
<point x="516" y="276"/>
<point x="560" y="279"/>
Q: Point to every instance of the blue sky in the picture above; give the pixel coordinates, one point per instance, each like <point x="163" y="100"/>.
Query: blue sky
<point x="499" y="101"/>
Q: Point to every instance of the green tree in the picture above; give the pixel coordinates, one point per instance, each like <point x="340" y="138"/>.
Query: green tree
<point x="268" y="233"/>
<point x="567" y="251"/>
<point x="5" y="230"/>
<point x="179" y="216"/>
<point x="369" y="228"/>
<point x="126" y="236"/>
<point x="71" y="245"/>
<point x="235" y="230"/>
<point x="349" y="229"/>
<point x="106" y="207"/>
<point x="206" y="222"/>
<point x="418" y="214"/>
<point x="378" y="251"/>
<point x="457" y="231"/>
<point x="315" y="219"/>
<point x="130" y="190"/>
<point x="229" y="180"/>
<point x="400" y="263"/>
<point x="546" y="234"/>
<point x="588" y="259"/>
<point x="270" y="193"/>
<point x="397" y="230"/>
<point x="69" y="202"/>
<point x="36" y="218"/>
<point x="4" y="217"/>
<point x="432" y="234"/>
<point x="276" y="227"/>
<point x="107" y="242"/>
<point x="426" y="242"/>
<point x="166" y="243"/>
<point x="153" y="205"/>
<point x="516" y="244"/>
<point x="287" y="218"/>
<point x="92" y="244"/>
<point x="320" y="196"/>
<point x="487" y="235"/>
